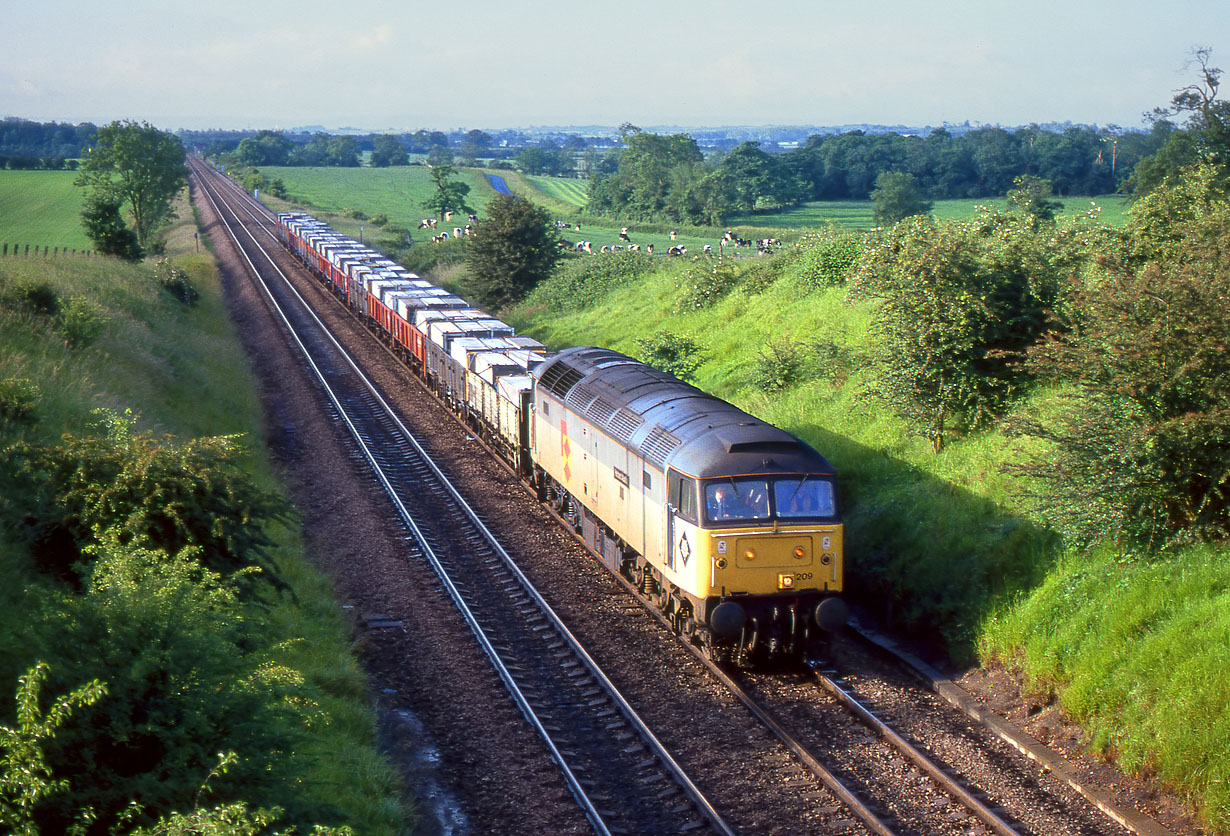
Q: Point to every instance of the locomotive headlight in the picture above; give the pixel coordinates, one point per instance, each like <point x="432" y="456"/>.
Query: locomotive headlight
<point x="721" y="563"/>
<point x="799" y="552"/>
<point x="785" y="581"/>
<point x="750" y="554"/>
<point x="826" y="559"/>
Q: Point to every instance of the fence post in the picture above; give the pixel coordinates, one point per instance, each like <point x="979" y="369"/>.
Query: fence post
<point x="27" y="249"/>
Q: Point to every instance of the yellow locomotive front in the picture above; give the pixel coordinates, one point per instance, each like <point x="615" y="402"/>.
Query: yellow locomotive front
<point x="765" y="548"/>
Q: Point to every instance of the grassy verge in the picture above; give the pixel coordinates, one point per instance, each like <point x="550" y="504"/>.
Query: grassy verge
<point x="1138" y="651"/>
<point x="183" y="372"/>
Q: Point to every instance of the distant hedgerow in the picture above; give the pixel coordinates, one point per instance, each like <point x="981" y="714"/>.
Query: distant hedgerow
<point x="580" y="283"/>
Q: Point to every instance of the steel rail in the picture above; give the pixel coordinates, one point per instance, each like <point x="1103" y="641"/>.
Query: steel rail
<point x="984" y="813"/>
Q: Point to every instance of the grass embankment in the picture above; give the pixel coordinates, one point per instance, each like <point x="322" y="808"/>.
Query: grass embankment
<point x="1134" y="648"/>
<point x="41" y="209"/>
<point x="182" y="371"/>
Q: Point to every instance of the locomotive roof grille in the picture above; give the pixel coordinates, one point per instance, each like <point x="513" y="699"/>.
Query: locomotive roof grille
<point x="559" y="378"/>
<point x="624" y="423"/>
<point x="659" y="446"/>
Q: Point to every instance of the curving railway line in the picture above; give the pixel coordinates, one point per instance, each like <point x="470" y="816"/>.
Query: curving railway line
<point x="703" y="750"/>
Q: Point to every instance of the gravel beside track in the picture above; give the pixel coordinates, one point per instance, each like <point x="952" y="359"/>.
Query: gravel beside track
<point x="477" y="766"/>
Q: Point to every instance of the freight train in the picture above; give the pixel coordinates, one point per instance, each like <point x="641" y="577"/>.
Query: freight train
<point x="729" y="525"/>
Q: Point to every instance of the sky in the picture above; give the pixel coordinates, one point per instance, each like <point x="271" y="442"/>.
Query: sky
<point x="492" y="64"/>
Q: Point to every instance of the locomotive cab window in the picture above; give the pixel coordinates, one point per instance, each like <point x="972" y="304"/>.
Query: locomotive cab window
<point x="806" y="497"/>
<point x="681" y="493"/>
<point x="752" y="499"/>
<point x="736" y="500"/>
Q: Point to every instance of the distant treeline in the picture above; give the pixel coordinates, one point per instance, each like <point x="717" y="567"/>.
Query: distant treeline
<point x="655" y="177"/>
<point x="979" y="163"/>
<point x="43" y="145"/>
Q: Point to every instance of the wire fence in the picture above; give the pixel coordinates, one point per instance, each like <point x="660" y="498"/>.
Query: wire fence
<point x="42" y="251"/>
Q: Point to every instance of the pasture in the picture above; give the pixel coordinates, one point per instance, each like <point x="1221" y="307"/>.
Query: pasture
<point x="859" y="214"/>
<point x="397" y="191"/>
<point x="41" y="208"/>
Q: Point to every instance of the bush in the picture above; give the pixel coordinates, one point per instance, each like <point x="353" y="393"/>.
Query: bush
<point x="175" y="280"/>
<point x="705" y="282"/>
<point x="356" y="214"/>
<point x="826" y="260"/>
<point x="19" y="398"/>
<point x="580" y="282"/>
<point x="671" y="353"/>
<point x="779" y="365"/>
<point x="380" y="219"/>
<point x="159" y="494"/>
<point x="40" y="297"/>
<point x="82" y="322"/>
<point x="171" y="642"/>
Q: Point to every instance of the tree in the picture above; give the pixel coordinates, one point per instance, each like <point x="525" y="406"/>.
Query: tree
<point x="897" y="197"/>
<point x="960" y="304"/>
<point x="137" y="166"/>
<point x="101" y="218"/>
<point x="440" y="155"/>
<point x="266" y="148"/>
<point x="450" y="194"/>
<point x="513" y="247"/>
<point x="756" y="179"/>
<point x="387" y="151"/>
<point x="1205" y="137"/>
<point x="1032" y="196"/>
<point x="1142" y="449"/>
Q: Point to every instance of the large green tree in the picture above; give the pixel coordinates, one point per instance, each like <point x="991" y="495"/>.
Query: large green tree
<point x="266" y="148"/>
<point x="961" y="302"/>
<point x="141" y="168"/>
<point x="896" y="197"/>
<point x="387" y="150"/>
<point x="1142" y="449"/>
<point x="512" y="249"/>
<point x="449" y="194"/>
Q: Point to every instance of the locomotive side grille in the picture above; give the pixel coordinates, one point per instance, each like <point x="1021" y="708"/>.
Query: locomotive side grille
<point x="624" y="423"/>
<point x="579" y="398"/>
<point x="601" y="409"/>
<point x="659" y="445"/>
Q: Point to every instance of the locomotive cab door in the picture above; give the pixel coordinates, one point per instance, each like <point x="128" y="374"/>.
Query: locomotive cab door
<point x="682" y="540"/>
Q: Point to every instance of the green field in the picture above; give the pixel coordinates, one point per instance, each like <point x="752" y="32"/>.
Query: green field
<point x="858" y="214"/>
<point x="41" y="208"/>
<point x="567" y="190"/>
<point x="397" y="191"/>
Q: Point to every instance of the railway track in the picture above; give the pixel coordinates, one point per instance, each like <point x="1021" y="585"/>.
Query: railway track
<point x="608" y="756"/>
<point x="873" y="805"/>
